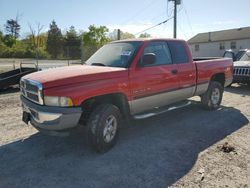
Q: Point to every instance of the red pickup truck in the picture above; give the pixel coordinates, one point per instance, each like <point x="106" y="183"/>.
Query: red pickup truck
<point x="124" y="79"/>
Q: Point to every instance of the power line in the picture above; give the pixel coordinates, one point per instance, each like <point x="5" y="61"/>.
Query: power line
<point x="165" y="21"/>
<point x="179" y="26"/>
<point x="139" y="12"/>
<point x="181" y="7"/>
<point x="156" y="17"/>
<point x="188" y="19"/>
<point x="172" y="10"/>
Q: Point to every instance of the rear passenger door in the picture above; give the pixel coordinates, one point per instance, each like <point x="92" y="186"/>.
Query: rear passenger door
<point x="186" y="70"/>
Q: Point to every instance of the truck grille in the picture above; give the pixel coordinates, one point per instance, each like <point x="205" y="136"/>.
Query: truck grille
<point x="31" y="90"/>
<point x="242" y="71"/>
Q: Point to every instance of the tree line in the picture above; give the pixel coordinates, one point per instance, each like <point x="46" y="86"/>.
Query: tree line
<point x="53" y="44"/>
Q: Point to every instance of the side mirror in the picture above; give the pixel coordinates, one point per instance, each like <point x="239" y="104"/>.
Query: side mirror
<point x="148" y="59"/>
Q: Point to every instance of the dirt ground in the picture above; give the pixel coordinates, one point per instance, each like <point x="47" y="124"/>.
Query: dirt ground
<point x="188" y="147"/>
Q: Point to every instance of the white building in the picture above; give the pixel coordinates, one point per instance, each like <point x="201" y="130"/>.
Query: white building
<point x="214" y="44"/>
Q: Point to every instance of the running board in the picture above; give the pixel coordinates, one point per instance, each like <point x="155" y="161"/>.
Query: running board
<point x="161" y="111"/>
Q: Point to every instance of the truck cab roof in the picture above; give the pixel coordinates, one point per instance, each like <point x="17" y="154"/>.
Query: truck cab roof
<point x="147" y="39"/>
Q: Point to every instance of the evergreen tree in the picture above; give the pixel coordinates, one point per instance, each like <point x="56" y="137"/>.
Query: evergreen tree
<point x="72" y="44"/>
<point x="12" y="28"/>
<point x="55" y="41"/>
<point x="1" y="36"/>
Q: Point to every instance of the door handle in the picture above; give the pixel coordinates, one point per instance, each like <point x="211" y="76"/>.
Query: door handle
<point x="175" y="71"/>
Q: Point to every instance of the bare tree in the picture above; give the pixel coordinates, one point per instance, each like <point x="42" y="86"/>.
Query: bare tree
<point x="35" y="37"/>
<point x="35" y="34"/>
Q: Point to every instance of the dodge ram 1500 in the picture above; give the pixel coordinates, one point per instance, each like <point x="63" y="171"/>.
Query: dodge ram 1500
<point x="123" y="80"/>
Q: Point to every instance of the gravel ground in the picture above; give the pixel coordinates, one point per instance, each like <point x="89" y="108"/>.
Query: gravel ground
<point x="189" y="147"/>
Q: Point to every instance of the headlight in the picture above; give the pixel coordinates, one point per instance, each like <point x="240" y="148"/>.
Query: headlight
<point x="58" y="101"/>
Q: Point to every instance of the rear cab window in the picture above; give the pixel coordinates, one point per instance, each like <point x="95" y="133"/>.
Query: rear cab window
<point x="178" y="52"/>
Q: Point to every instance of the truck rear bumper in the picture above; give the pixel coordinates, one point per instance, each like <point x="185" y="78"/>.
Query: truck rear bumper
<point x="50" y="118"/>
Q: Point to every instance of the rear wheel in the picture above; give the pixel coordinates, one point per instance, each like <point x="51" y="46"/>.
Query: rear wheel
<point x="211" y="100"/>
<point x="103" y="127"/>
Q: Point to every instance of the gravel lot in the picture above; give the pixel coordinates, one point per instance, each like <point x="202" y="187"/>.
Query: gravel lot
<point x="182" y="148"/>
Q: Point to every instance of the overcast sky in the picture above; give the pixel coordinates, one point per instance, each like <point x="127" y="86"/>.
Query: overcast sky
<point x="194" y="16"/>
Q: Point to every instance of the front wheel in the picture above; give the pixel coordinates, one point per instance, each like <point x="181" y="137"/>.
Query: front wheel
<point x="211" y="100"/>
<point x="103" y="127"/>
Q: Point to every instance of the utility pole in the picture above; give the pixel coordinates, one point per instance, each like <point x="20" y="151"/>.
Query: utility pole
<point x="118" y="34"/>
<point x="175" y="19"/>
<point x="82" y="52"/>
<point x="176" y="2"/>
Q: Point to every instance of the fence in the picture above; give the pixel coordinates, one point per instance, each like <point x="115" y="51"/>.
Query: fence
<point x="68" y="55"/>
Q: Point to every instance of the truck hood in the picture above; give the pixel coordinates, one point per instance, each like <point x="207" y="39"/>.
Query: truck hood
<point x="55" y="77"/>
<point x="242" y="63"/>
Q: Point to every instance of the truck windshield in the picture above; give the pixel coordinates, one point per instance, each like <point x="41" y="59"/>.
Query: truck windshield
<point x="245" y="57"/>
<point x="117" y="54"/>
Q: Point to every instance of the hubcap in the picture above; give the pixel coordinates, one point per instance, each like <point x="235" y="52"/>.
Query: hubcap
<point x="110" y="129"/>
<point x="215" y="97"/>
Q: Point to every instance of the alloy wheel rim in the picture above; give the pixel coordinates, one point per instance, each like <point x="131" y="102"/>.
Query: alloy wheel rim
<point x="110" y="128"/>
<point x="215" y="97"/>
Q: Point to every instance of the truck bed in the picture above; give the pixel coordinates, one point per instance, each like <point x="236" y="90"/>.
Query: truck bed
<point x="13" y="77"/>
<point x="207" y="67"/>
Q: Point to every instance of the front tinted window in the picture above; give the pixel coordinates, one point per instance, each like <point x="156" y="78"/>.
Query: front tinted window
<point x="161" y="51"/>
<point x="116" y="54"/>
<point x="178" y="51"/>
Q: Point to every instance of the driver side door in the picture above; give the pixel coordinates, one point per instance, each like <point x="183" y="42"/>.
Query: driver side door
<point x="153" y="85"/>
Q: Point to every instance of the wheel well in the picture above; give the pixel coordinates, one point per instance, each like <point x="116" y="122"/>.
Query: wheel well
<point x="220" y="77"/>
<point x="117" y="99"/>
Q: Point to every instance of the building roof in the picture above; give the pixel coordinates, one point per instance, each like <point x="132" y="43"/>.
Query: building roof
<point x="225" y="35"/>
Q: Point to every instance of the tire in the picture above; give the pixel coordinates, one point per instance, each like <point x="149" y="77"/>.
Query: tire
<point x="211" y="100"/>
<point x="103" y="127"/>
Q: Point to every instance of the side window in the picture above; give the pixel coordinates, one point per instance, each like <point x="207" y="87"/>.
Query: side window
<point x="233" y="45"/>
<point x="161" y="51"/>
<point x="178" y="51"/>
<point x="197" y="47"/>
<point x="222" y="45"/>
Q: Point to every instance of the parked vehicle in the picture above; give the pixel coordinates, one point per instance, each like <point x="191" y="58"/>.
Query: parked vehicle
<point x="233" y="55"/>
<point x="13" y="77"/>
<point x="242" y="69"/>
<point x="124" y="79"/>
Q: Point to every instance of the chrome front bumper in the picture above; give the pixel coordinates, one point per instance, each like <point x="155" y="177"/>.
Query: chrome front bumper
<point x="51" y="118"/>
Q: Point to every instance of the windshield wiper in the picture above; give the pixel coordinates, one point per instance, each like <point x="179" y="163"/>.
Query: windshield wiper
<point x="98" y="64"/>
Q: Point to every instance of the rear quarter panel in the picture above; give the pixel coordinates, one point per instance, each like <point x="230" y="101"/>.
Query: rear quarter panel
<point x="206" y="69"/>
